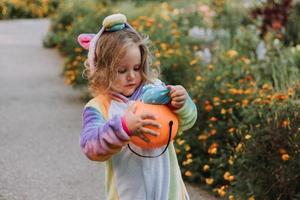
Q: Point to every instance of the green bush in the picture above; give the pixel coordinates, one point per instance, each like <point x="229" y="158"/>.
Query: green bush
<point x="10" y="9"/>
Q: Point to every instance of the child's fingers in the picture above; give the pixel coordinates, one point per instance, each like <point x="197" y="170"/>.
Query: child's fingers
<point x="149" y="131"/>
<point x="177" y="104"/>
<point x="179" y="98"/>
<point x="147" y="115"/>
<point x="148" y="122"/>
<point x="143" y="137"/>
<point x="177" y="93"/>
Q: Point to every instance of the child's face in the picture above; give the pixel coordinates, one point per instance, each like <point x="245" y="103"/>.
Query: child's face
<point x="129" y="72"/>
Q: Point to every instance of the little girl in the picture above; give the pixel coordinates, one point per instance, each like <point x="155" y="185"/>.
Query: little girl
<point x="119" y="73"/>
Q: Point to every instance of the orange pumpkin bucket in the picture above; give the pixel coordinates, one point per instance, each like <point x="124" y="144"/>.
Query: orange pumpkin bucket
<point x="163" y="116"/>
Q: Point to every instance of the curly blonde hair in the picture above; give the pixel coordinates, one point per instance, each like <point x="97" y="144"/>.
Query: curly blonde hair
<point x="111" y="47"/>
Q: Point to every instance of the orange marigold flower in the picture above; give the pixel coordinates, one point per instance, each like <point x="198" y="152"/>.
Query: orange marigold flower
<point x="188" y="173"/>
<point x="230" y="160"/>
<point x="245" y="102"/>
<point x="208" y="107"/>
<point x="246" y="60"/>
<point x="223" y="111"/>
<point x="226" y="175"/>
<point x="205" y="168"/>
<point x="189" y="155"/>
<point x="210" y="67"/>
<point x="216" y="99"/>
<point x="285" y="157"/>
<point x="280" y="96"/>
<point x="231" y="130"/>
<point x="231" y="178"/>
<point x="203" y="137"/>
<point x="231" y="197"/>
<point x="291" y="92"/>
<point x="221" y="192"/>
<point x="251" y="198"/>
<point x="192" y="62"/>
<point x="285" y="123"/>
<point x="213" y="148"/>
<point x="198" y="78"/>
<point x="267" y="86"/>
<point x="247" y="137"/>
<point x="232" y="53"/>
<point x="239" y="147"/>
<point x="209" y="181"/>
<point x="213" y="119"/>
<point x="213" y="132"/>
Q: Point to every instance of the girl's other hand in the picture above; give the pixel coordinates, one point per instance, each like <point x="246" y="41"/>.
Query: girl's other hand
<point x="136" y="123"/>
<point x="178" y="95"/>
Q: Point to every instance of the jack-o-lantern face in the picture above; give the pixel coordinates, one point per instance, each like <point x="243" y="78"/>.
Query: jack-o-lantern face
<point x="163" y="116"/>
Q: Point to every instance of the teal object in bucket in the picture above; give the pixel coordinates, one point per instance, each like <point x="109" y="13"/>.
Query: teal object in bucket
<point x="155" y="95"/>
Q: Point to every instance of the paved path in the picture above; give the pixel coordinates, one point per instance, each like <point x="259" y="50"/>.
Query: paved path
<point x="40" y="120"/>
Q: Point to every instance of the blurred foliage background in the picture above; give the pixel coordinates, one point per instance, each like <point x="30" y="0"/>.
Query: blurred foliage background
<point x="238" y="59"/>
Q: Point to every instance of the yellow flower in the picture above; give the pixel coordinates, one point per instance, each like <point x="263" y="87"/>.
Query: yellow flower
<point x="188" y="173"/>
<point x="286" y="123"/>
<point x="213" y="148"/>
<point x="163" y="46"/>
<point x="285" y="157"/>
<point x="203" y="137"/>
<point x="231" y="197"/>
<point x="221" y="192"/>
<point x="157" y="63"/>
<point x="239" y="147"/>
<point x="210" y="67"/>
<point x="213" y="132"/>
<point x="246" y="60"/>
<point x="208" y="108"/>
<point x="231" y="130"/>
<point x="78" y="49"/>
<point x="251" y="198"/>
<point x="226" y="175"/>
<point x="209" y="181"/>
<point x="231" y="178"/>
<point x="245" y="102"/>
<point x="180" y="141"/>
<point x="231" y="160"/>
<point x="187" y="162"/>
<point x="198" y="78"/>
<point x="213" y="119"/>
<point x="267" y="86"/>
<point x="189" y="155"/>
<point x="187" y="147"/>
<point x="232" y="53"/>
<point x="223" y="111"/>
<point x="247" y="137"/>
<point x="193" y="62"/>
<point x="291" y="92"/>
<point x="157" y="54"/>
<point x="206" y="168"/>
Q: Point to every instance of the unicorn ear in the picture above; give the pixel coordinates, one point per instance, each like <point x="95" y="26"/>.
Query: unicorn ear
<point x="84" y="40"/>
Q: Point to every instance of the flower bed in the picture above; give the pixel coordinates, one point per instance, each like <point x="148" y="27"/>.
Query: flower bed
<point x="245" y="143"/>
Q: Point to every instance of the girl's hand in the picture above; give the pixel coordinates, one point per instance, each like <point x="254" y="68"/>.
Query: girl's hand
<point x="178" y="95"/>
<point x="136" y="123"/>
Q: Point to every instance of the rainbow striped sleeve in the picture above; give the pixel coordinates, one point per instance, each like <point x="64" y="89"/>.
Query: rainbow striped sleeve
<point x="100" y="139"/>
<point x="187" y="115"/>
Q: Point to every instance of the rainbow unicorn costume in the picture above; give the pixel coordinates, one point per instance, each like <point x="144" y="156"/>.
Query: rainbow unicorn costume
<point x="103" y="138"/>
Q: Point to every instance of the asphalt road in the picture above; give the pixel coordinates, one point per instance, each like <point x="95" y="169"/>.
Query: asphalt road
<point x="40" y="121"/>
